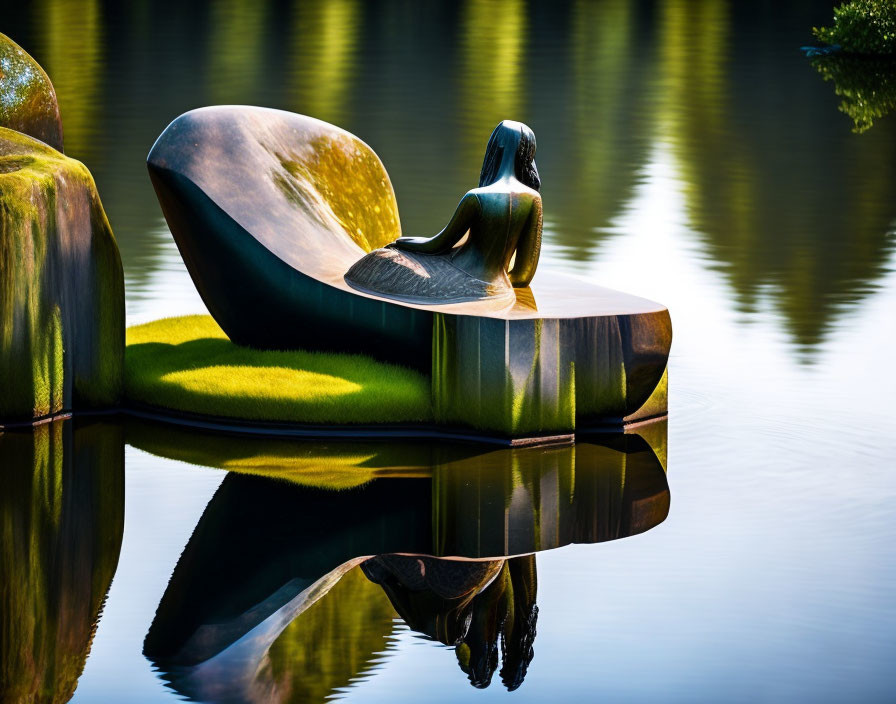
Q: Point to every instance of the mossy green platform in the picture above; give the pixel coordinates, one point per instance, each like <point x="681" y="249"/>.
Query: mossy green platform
<point x="186" y="370"/>
<point x="188" y="364"/>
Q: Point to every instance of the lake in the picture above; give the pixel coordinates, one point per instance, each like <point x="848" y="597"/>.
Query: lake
<point x="689" y="153"/>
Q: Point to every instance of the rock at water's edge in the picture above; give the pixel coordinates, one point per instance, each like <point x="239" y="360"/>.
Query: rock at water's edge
<point x="27" y="98"/>
<point x="61" y="286"/>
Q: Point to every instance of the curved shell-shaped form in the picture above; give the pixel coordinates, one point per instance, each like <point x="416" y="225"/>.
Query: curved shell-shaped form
<point x="27" y="97"/>
<point x="269" y="209"/>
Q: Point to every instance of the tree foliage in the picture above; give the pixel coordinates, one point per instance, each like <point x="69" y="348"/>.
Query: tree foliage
<point x="862" y="27"/>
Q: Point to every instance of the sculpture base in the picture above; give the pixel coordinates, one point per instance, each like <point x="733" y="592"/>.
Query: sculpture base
<point x="185" y="371"/>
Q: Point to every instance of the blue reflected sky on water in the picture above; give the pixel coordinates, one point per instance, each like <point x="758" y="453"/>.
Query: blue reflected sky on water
<point x="689" y="154"/>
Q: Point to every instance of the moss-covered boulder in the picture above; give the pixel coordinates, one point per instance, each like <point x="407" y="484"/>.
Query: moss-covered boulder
<point x="61" y="286"/>
<point x="27" y="98"/>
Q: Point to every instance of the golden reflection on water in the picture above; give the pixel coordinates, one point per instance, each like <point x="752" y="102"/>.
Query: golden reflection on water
<point x="236" y="49"/>
<point x="693" y="50"/>
<point x="601" y="42"/>
<point x="493" y="41"/>
<point x="329" y="645"/>
<point x="321" y="67"/>
<point x="73" y="39"/>
<point x="597" y="151"/>
<point x="692" y="118"/>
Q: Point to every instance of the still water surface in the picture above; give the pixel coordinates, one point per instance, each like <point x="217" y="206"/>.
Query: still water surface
<point x="689" y="154"/>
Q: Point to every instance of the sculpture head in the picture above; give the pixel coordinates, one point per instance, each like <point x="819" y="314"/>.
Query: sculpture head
<point x="510" y="152"/>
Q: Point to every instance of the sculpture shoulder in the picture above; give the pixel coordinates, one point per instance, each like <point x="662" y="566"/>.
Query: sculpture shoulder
<point x="473" y="197"/>
<point x="531" y="192"/>
<point x="499" y="192"/>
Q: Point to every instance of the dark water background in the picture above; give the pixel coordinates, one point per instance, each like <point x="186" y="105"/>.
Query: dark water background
<point x="690" y="154"/>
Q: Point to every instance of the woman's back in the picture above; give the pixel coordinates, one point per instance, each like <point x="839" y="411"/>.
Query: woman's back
<point x="505" y="218"/>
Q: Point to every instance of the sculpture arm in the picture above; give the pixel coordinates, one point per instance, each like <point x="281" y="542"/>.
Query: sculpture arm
<point x="466" y="213"/>
<point x="528" y="249"/>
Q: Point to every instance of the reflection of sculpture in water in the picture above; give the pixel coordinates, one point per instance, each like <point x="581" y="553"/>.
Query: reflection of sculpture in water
<point x="467" y="604"/>
<point x="501" y="218"/>
<point x="268" y="601"/>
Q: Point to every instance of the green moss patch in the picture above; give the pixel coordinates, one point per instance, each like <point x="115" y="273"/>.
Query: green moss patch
<point x="188" y="364"/>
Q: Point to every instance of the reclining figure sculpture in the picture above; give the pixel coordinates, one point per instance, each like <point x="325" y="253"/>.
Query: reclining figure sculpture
<point x="501" y="220"/>
<point x="289" y="228"/>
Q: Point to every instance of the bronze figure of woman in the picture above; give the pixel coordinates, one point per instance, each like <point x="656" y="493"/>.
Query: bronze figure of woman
<point x="470" y="259"/>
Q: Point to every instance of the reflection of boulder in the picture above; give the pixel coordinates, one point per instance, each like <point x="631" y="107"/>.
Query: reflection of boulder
<point x="62" y="505"/>
<point x="27" y="99"/>
<point x="61" y="285"/>
<point x="476" y="606"/>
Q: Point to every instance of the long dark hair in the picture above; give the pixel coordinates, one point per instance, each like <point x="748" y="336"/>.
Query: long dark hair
<point x="524" y="163"/>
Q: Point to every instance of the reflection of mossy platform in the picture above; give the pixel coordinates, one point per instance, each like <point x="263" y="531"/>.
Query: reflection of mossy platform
<point x="316" y="463"/>
<point x="188" y="364"/>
